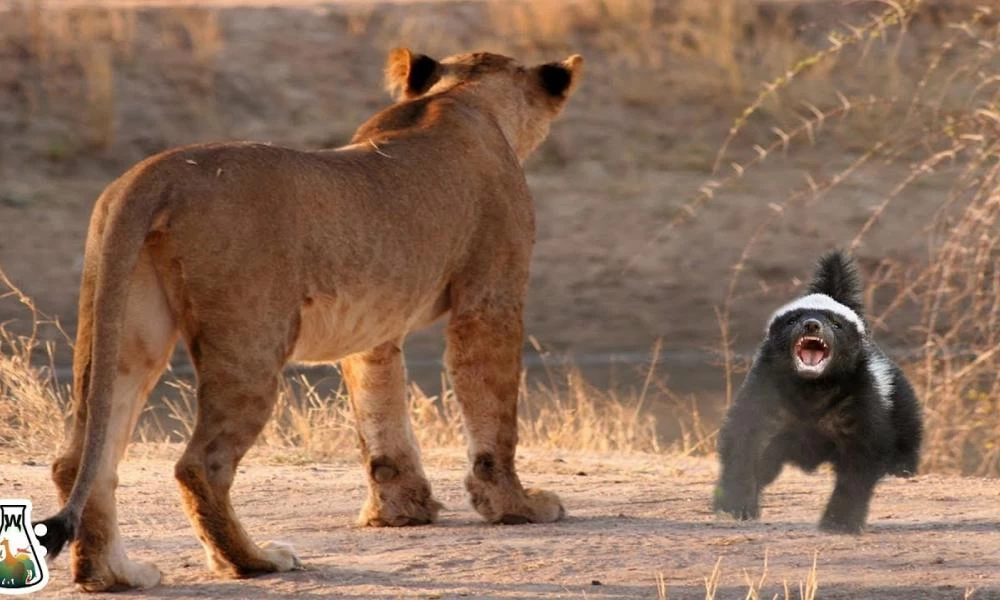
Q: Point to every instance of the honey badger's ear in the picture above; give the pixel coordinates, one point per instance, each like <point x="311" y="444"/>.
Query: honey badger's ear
<point x="836" y="275"/>
<point x="408" y="75"/>
<point x="559" y="79"/>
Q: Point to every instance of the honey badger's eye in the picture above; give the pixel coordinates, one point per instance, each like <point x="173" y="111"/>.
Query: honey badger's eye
<point x="837" y="324"/>
<point x="792" y="320"/>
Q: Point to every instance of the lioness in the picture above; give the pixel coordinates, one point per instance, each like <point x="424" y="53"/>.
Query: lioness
<point x="258" y="255"/>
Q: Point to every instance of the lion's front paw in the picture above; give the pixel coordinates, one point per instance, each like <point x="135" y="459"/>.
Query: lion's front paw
<point x="545" y="507"/>
<point x="281" y="555"/>
<point x="743" y="506"/>
<point x="122" y="575"/>
<point x="398" y="505"/>
<point x="539" y="507"/>
<point x="270" y="557"/>
<point x="513" y="505"/>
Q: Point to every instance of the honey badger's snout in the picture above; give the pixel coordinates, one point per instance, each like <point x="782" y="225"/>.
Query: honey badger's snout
<point x="811" y="351"/>
<point x="812" y="326"/>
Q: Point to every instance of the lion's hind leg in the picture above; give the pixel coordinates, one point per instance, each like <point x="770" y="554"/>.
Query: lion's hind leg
<point x="398" y="491"/>
<point x="97" y="556"/>
<point x="484" y="363"/>
<point x="236" y="395"/>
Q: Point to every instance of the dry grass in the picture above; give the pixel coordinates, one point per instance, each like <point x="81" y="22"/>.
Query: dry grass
<point x="32" y="402"/>
<point x="755" y="586"/>
<point x="310" y="424"/>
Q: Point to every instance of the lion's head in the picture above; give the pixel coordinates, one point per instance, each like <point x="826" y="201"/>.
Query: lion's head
<point x="525" y="98"/>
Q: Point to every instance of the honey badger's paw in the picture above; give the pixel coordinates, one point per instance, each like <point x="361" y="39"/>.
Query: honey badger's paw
<point x="743" y="506"/>
<point x="832" y="524"/>
<point x="905" y="469"/>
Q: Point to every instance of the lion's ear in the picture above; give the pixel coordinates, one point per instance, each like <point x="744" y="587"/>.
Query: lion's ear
<point x="408" y="75"/>
<point x="559" y="79"/>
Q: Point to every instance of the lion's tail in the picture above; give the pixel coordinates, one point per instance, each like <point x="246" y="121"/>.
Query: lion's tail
<point x="132" y="205"/>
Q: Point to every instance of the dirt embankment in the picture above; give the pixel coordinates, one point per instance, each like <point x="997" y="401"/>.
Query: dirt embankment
<point x="631" y="518"/>
<point x="90" y="91"/>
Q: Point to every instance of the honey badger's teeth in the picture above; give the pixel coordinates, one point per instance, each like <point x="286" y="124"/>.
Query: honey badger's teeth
<point x="811" y="351"/>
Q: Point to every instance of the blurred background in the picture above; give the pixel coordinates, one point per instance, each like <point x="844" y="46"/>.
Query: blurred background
<point x="713" y="151"/>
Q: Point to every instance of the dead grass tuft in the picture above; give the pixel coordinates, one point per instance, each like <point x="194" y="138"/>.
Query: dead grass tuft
<point x="311" y="422"/>
<point x="32" y="401"/>
<point x="756" y="587"/>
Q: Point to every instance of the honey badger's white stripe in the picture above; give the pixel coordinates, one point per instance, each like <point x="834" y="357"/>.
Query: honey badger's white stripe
<point x="819" y="302"/>
<point x="881" y="370"/>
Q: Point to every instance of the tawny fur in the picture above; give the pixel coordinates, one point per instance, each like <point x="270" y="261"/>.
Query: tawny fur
<point x="257" y="255"/>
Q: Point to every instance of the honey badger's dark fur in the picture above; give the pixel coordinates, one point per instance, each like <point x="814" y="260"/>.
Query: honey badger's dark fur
<point x="820" y="390"/>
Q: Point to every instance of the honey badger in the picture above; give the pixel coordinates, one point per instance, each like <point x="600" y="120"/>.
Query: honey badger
<point x="819" y="390"/>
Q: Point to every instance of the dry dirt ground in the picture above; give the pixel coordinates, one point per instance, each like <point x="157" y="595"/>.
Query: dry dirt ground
<point x="631" y="517"/>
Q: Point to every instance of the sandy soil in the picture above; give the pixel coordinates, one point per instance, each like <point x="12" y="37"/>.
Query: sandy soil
<point x="631" y="517"/>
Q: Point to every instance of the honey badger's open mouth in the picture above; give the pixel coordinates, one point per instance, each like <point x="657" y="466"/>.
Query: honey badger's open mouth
<point x="811" y="354"/>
